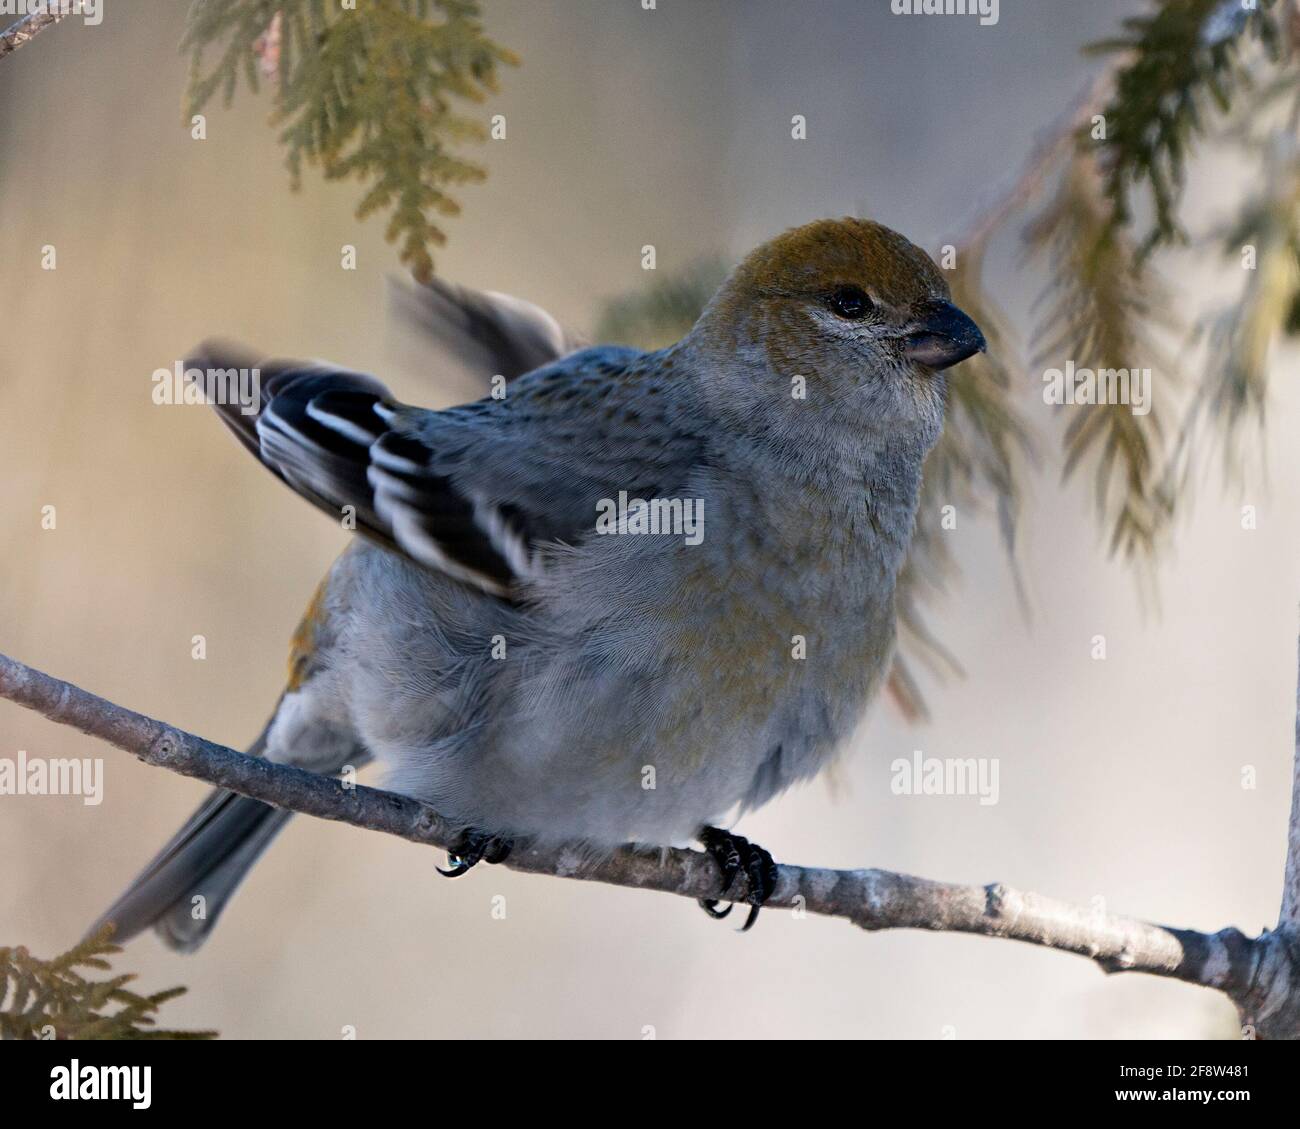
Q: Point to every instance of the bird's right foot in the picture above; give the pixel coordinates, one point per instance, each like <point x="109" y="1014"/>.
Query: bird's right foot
<point x="734" y="853"/>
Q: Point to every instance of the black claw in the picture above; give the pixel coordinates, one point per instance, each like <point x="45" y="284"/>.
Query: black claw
<point x="459" y="866"/>
<point x="733" y="853"/>
<point x="760" y="869"/>
<point x="472" y="848"/>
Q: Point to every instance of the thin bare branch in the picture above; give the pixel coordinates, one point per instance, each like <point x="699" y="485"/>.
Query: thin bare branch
<point x="25" y="30"/>
<point x="873" y="899"/>
<point x="1290" y="916"/>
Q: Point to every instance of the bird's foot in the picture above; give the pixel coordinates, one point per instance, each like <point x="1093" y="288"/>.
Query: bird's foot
<point x="472" y="848"/>
<point x="733" y="853"/>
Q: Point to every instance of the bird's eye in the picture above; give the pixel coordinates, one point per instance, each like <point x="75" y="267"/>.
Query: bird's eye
<point x="851" y="302"/>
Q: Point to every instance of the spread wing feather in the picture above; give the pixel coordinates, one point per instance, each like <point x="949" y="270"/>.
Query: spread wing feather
<point x="341" y="440"/>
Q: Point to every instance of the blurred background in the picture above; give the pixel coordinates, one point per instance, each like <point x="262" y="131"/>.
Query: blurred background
<point x="1121" y="779"/>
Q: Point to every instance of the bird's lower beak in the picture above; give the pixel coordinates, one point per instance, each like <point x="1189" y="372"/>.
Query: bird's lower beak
<point x="941" y="335"/>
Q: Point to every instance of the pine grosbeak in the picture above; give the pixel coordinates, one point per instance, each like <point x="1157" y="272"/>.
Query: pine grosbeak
<point x="536" y="677"/>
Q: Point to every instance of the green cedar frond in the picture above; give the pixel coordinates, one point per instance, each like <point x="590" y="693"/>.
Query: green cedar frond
<point x="1100" y="307"/>
<point x="367" y="93"/>
<point x="1182" y="63"/>
<point x="41" y="999"/>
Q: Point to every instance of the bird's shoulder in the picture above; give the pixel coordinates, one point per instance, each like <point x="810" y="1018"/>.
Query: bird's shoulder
<point x="587" y="383"/>
<point x="601" y="413"/>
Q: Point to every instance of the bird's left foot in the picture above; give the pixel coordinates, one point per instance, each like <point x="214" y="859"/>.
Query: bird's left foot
<point x="472" y="848"/>
<point x="733" y="853"/>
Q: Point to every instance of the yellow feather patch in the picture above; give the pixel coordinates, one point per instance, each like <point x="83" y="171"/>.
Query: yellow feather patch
<point x="303" y="643"/>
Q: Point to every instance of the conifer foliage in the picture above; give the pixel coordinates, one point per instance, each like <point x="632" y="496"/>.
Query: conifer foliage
<point x="375" y="91"/>
<point x="52" y="999"/>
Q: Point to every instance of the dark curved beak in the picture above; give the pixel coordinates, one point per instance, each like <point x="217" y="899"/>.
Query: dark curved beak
<point x="941" y="335"/>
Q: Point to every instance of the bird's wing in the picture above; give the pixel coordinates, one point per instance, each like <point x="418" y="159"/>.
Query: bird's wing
<point x="478" y="492"/>
<point x="488" y="333"/>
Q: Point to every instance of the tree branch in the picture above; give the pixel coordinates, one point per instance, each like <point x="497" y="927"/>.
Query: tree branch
<point x="25" y="30"/>
<point x="1271" y="1001"/>
<point x="873" y="899"/>
<point x="1290" y="916"/>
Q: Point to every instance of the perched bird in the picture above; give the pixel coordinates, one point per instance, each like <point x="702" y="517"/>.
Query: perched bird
<point x="537" y="676"/>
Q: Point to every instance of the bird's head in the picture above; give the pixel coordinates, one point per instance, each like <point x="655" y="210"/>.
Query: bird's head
<point x="851" y="314"/>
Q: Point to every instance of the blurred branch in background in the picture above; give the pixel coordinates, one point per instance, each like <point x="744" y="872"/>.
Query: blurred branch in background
<point x="1261" y="975"/>
<point x="1264" y="242"/>
<point x="1100" y="306"/>
<point x="1120" y="152"/>
<point x="1185" y="69"/>
<point x="365" y="92"/>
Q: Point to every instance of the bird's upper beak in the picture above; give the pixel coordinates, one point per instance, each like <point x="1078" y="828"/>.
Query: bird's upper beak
<point x="941" y="335"/>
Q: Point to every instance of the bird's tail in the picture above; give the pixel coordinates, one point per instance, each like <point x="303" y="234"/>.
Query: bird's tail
<point x="483" y="331"/>
<point x="182" y="892"/>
